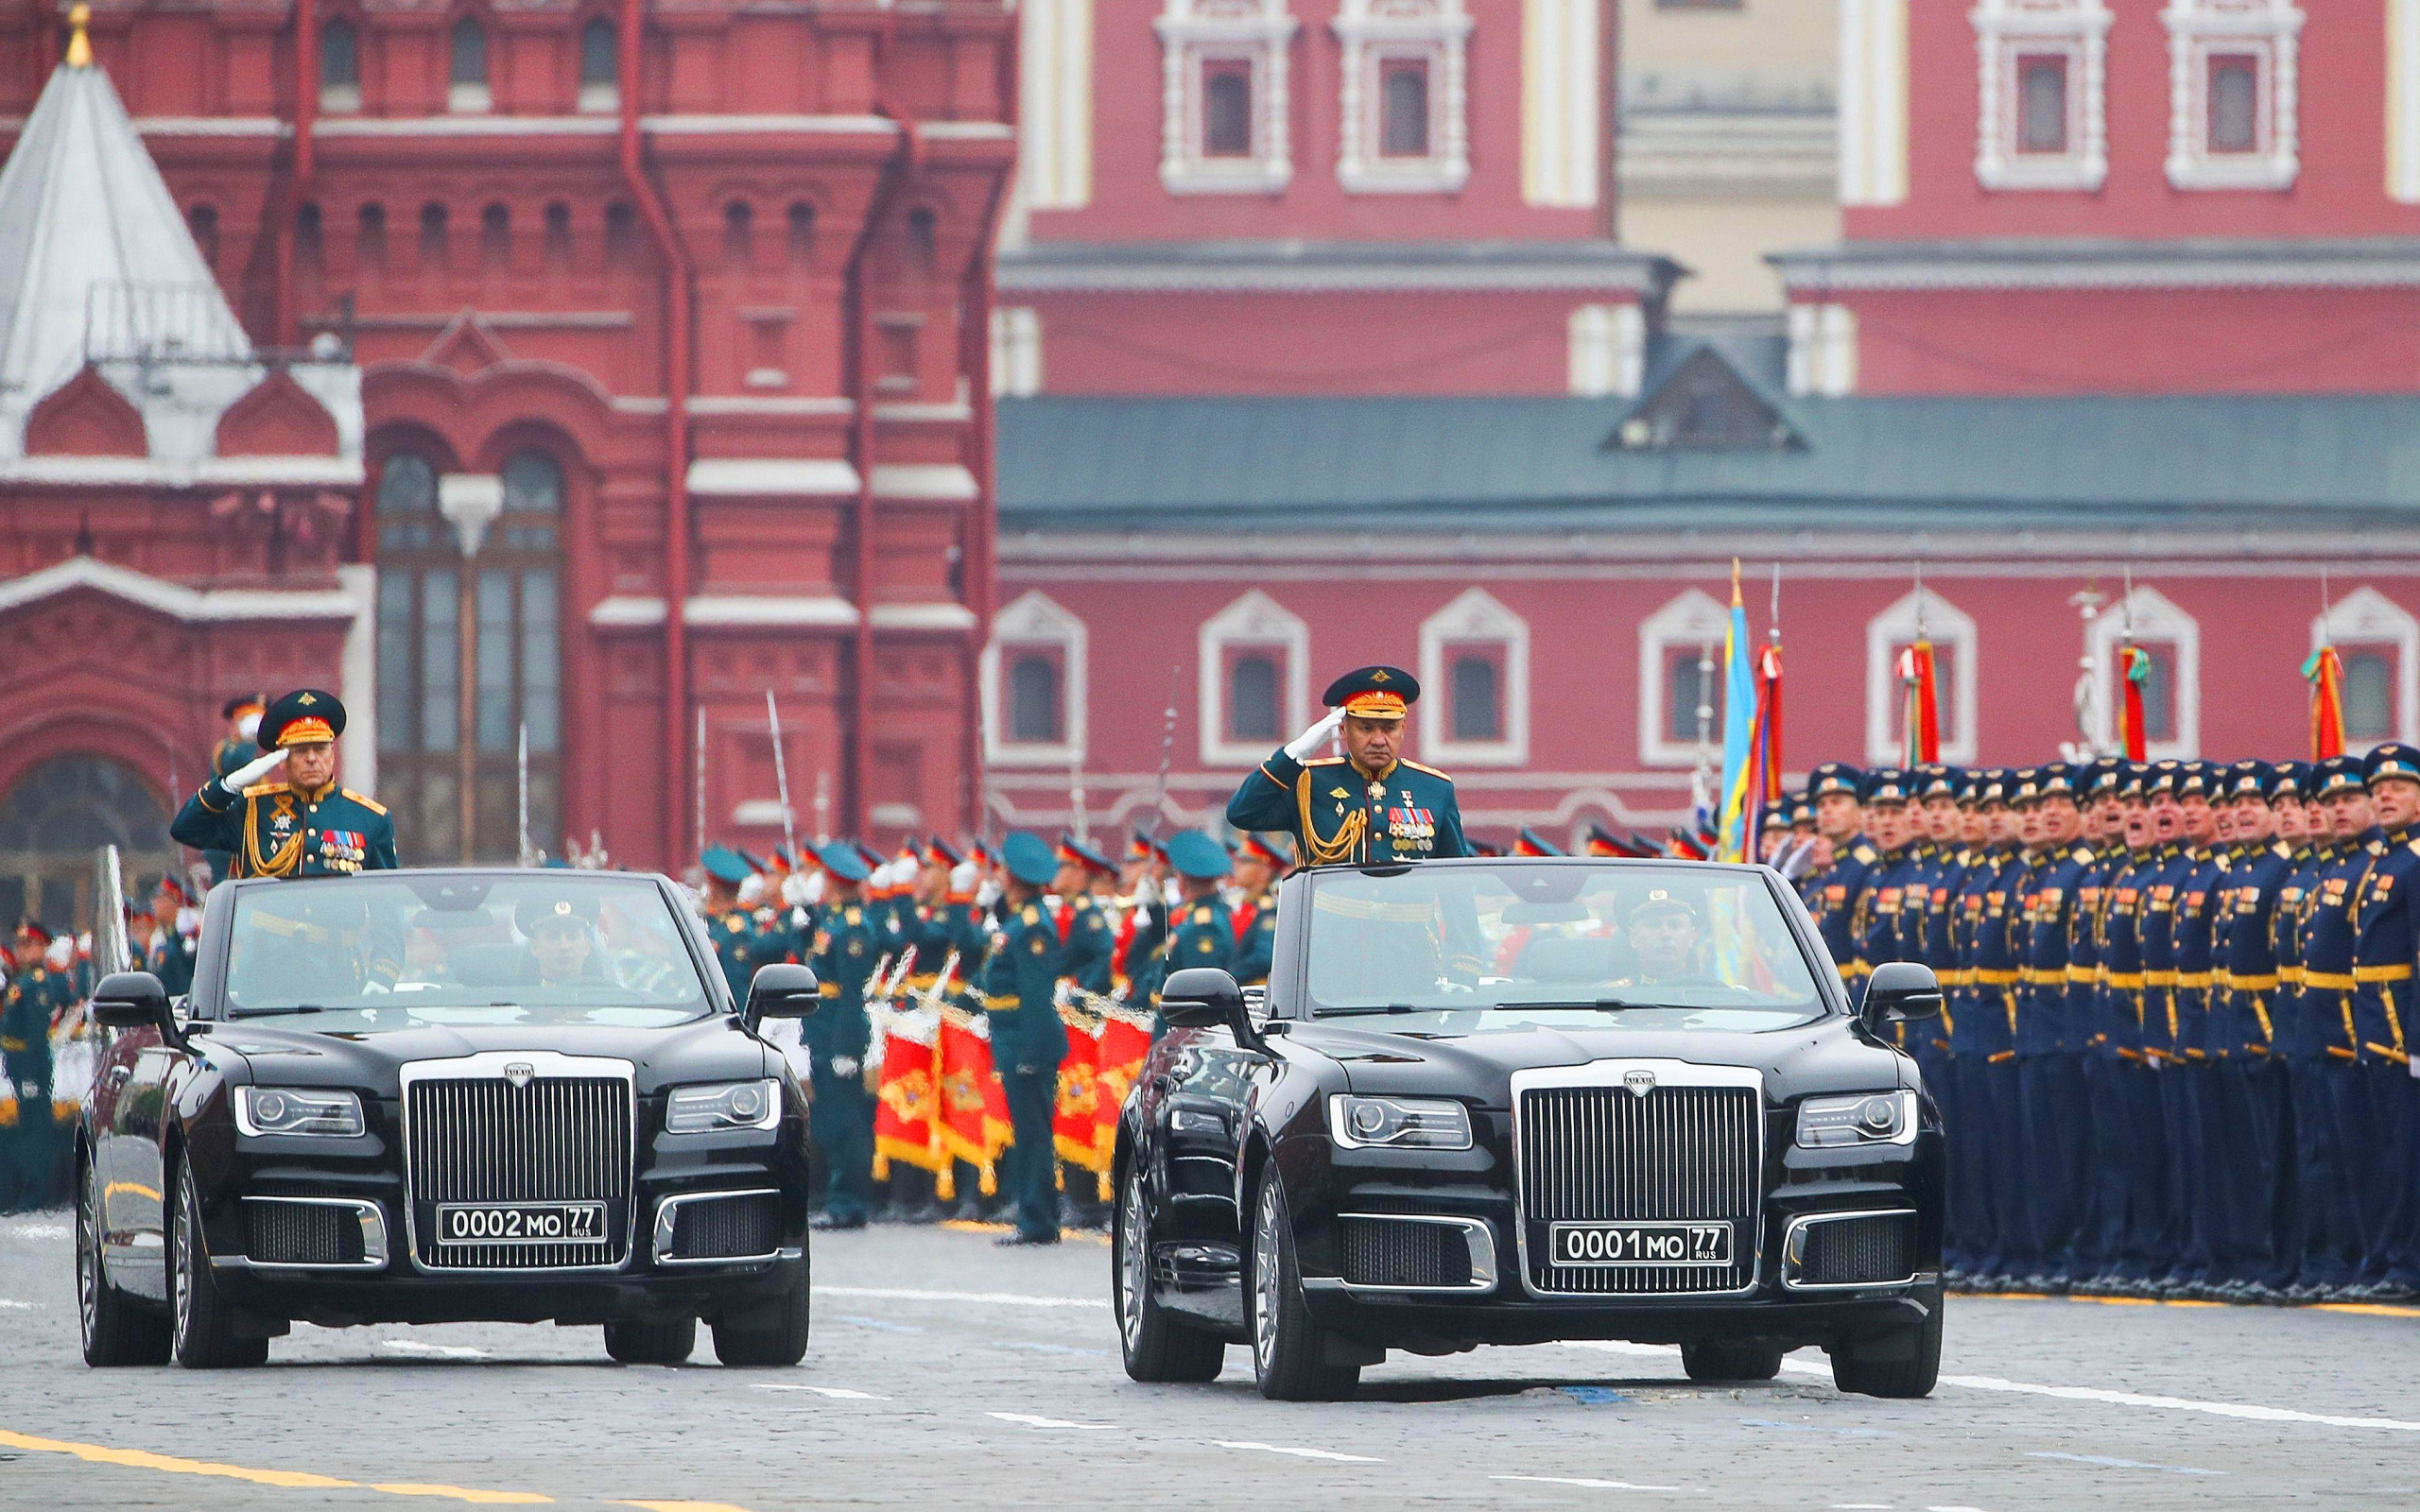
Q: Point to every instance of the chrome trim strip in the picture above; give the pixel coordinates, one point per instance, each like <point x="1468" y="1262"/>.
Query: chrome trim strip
<point x="1609" y="1073"/>
<point x="667" y="1219"/>
<point x="490" y="1064"/>
<point x="1476" y="1234"/>
<point x="373" y="1237"/>
<point x="1793" y="1251"/>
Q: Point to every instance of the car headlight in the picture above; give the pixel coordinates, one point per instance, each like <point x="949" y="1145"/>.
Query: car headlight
<point x="723" y="1105"/>
<point x="1870" y="1118"/>
<point x="298" y="1111"/>
<point x="1398" y="1123"/>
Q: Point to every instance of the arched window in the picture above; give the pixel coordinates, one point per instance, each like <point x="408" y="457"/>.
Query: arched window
<point x="370" y="240"/>
<point x="558" y="244"/>
<point x="1033" y="700"/>
<point x="1477" y="698"/>
<point x="600" y="66"/>
<point x="52" y="821"/>
<point x="495" y="235"/>
<point x="2369" y="696"/>
<point x="801" y="234"/>
<point x="1403" y="127"/>
<point x="739" y="233"/>
<point x="1255" y="679"/>
<point x="469" y="68"/>
<point x="308" y="233"/>
<point x="621" y="234"/>
<point x="1474" y="660"/>
<point x="340" y="66"/>
<point x="1033" y="677"/>
<point x="432" y="232"/>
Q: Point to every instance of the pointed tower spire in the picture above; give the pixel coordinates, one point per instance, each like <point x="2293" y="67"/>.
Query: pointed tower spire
<point x="80" y="41"/>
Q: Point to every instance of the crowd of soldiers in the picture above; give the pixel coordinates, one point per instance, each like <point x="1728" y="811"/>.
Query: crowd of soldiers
<point x="2173" y="1062"/>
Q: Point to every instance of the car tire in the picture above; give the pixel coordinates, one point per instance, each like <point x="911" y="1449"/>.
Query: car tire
<point x="1725" y="1360"/>
<point x="118" y="1330"/>
<point x="652" y="1341"/>
<point x="200" y="1320"/>
<point x="1288" y="1351"/>
<point x="1906" y="1362"/>
<point x="1157" y="1346"/>
<point x="768" y="1337"/>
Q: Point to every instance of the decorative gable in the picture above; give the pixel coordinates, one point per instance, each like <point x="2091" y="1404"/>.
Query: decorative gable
<point x="85" y="416"/>
<point x="277" y="418"/>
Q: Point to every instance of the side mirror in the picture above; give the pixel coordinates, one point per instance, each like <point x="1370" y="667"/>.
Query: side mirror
<point x="783" y="989"/>
<point x="1204" y="997"/>
<point x="134" y="999"/>
<point x="1899" y="992"/>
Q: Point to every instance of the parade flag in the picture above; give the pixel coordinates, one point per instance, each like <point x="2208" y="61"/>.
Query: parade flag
<point x="1921" y="722"/>
<point x="974" y="1107"/>
<point x="1125" y="1039"/>
<point x="1738" y="730"/>
<point x="1078" y="1111"/>
<point x="907" y="1127"/>
<point x="1764" y="780"/>
<point x="2325" y="672"/>
<point x="2133" y="670"/>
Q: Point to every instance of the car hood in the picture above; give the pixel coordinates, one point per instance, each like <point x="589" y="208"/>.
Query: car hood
<point x="1832" y="1056"/>
<point x="712" y="1049"/>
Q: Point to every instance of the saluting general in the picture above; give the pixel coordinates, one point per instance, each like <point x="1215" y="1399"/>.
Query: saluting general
<point x="297" y="822"/>
<point x="1369" y="805"/>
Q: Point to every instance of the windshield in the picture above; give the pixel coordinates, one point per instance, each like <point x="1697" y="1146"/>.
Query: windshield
<point x="1657" y="947"/>
<point x="404" y="950"/>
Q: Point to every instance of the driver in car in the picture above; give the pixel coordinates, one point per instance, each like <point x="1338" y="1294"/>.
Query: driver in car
<point x="563" y="940"/>
<point x="1663" y="937"/>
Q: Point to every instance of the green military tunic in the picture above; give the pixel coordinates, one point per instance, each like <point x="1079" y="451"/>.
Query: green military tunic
<point x="1405" y="813"/>
<point x="274" y="829"/>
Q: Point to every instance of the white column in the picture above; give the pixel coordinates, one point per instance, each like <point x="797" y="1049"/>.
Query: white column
<point x="357" y="677"/>
<point x="1055" y="146"/>
<point x="1560" y="102"/>
<point x="1017" y="352"/>
<point x="1873" y="102"/>
<point x="2403" y="100"/>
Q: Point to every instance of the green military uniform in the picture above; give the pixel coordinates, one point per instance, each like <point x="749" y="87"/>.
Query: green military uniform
<point x="840" y="1117"/>
<point x="1339" y="814"/>
<point x="1018" y="988"/>
<point x="275" y="829"/>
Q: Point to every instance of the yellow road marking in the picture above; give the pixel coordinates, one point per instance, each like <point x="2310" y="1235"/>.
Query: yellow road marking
<point x="968" y="1226"/>
<point x="135" y="1187"/>
<point x="143" y="1459"/>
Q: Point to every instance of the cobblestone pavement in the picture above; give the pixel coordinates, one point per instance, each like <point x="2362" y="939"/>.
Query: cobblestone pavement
<point x="947" y="1373"/>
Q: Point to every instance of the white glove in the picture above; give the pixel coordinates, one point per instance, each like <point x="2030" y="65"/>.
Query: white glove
<point x="814" y="889"/>
<point x="988" y="893"/>
<point x="751" y="890"/>
<point x="1170" y="894"/>
<point x="253" y="771"/>
<point x="963" y="876"/>
<point x="1142" y="914"/>
<point x="1313" y="742"/>
<point x="794" y="889"/>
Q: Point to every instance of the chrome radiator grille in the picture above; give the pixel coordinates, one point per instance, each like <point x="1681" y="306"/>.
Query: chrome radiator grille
<point x="552" y="1140"/>
<point x="1597" y="1154"/>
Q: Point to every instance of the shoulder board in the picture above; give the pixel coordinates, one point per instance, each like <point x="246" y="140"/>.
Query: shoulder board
<point x="2083" y="853"/>
<point x="854" y="913"/>
<point x="1201" y="914"/>
<point x="1324" y="760"/>
<point x="1864" y="853"/>
<point x="2282" y="849"/>
<point x="1431" y="771"/>
<point x="370" y="803"/>
<point x="265" y="789"/>
<point x="1031" y="915"/>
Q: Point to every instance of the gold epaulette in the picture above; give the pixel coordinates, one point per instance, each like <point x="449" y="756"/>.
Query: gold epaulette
<point x="370" y="803"/>
<point x="265" y="789"/>
<point x="1417" y="767"/>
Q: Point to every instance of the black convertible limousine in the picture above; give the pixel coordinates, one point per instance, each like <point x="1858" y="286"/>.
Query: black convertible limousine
<point x="1521" y="1101"/>
<point x="444" y="1096"/>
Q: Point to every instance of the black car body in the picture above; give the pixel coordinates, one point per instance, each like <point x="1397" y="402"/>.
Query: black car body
<point x="1601" y="1139"/>
<point x="241" y="1167"/>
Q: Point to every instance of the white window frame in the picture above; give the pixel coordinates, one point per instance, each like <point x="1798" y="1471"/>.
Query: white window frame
<point x="2368" y="617"/>
<point x="1607" y="347"/>
<point x="1473" y="618"/>
<point x="1259" y="622"/>
<point x="1951" y="631"/>
<point x="1374" y="33"/>
<point x="1017" y="352"/>
<point x="1035" y="620"/>
<point x="2009" y="31"/>
<point x="2271" y="30"/>
<point x="1692" y="620"/>
<point x="1821" y="359"/>
<point x="2153" y="617"/>
<point x="1257" y="33"/>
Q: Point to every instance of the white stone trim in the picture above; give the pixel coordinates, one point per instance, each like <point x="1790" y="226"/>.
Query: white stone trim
<point x="2154" y="617"/>
<point x="1055" y="94"/>
<point x="1253" y="620"/>
<point x="1951" y="631"/>
<point x="2008" y="31"/>
<point x="1017" y="352"/>
<point x="2382" y="263"/>
<point x="1692" y="620"/>
<point x="922" y="617"/>
<point x="1035" y="619"/>
<point x="771" y="477"/>
<point x="623" y="611"/>
<point x="1190" y="34"/>
<point x="1474" y="616"/>
<point x="1436" y="33"/>
<point x="2368" y="617"/>
<point x="357" y="677"/>
<point x="201" y="606"/>
<point x="170" y="472"/>
<point x="1560" y="56"/>
<point x="948" y="481"/>
<point x="1873" y="102"/>
<point x="2270" y="29"/>
<point x="1823" y="349"/>
<point x="2403" y="101"/>
<point x="1608" y="350"/>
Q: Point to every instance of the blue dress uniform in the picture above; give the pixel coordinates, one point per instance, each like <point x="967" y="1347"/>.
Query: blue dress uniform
<point x="2049" y="1075"/>
<point x="840" y="1117"/>
<point x="2324" y="1037"/>
<point x="1835" y="894"/>
<point x="2100" y="1217"/>
<point x="1984" y="1174"/>
<point x="2385" y="939"/>
<point x="1339" y="815"/>
<point x="274" y="829"/>
<point x="2186" y="1080"/>
<point x="1877" y="921"/>
<point x="2253" y="1193"/>
<point x="1019" y="986"/>
<point x="2133" y="1190"/>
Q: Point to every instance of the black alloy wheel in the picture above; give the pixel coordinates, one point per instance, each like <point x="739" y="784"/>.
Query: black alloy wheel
<point x="1725" y="1360"/>
<point x="1156" y="1347"/>
<point x="775" y="1337"/>
<point x="201" y="1319"/>
<point x="117" y="1330"/>
<point x="652" y="1341"/>
<point x="1288" y="1351"/>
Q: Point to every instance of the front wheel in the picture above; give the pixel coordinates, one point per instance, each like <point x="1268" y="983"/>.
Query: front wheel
<point x="1288" y="1351"/>
<point x="768" y="1336"/>
<point x="1157" y="1347"/>
<point x="203" y="1323"/>
<point x="117" y="1330"/>
<point x="1903" y="1362"/>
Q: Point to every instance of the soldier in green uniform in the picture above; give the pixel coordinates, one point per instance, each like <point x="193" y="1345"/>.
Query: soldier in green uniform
<point x="170" y="955"/>
<point x="840" y="1116"/>
<point x="242" y="714"/>
<point x="729" y="929"/>
<point x="1085" y="930"/>
<point x="1369" y="805"/>
<point x="41" y="988"/>
<point x="1020" y="979"/>
<point x="1202" y="932"/>
<point x="1259" y="867"/>
<point x="294" y="823"/>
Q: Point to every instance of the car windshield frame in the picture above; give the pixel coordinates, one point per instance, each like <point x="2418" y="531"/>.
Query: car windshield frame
<point x="643" y="967"/>
<point x="1575" y="899"/>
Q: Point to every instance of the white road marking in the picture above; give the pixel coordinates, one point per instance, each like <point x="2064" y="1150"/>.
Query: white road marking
<point x="12" y="1305"/>
<point x="435" y="1351"/>
<point x="39" y="1231"/>
<point x="1585" y="1482"/>
<point x="1000" y="1298"/>
<point x="1297" y="1452"/>
<point x="2120" y="1464"/>
<point x="1035" y="1420"/>
<point x="843" y="1393"/>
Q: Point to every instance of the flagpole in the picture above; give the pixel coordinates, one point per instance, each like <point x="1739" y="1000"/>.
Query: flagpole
<point x="781" y="777"/>
<point x="698" y="767"/>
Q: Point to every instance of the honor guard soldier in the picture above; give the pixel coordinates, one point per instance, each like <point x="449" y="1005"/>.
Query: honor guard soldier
<point x="1369" y="805"/>
<point x="294" y="823"/>
<point x="2195" y="1274"/>
<point x="2049" y="1074"/>
<point x="1835" y="892"/>
<point x="1202" y="932"/>
<point x="738" y="949"/>
<point x="169" y="955"/>
<point x="2325" y="939"/>
<point x="2100" y="1206"/>
<point x="1018" y="991"/>
<point x="840" y="1114"/>
<point x="1876" y="922"/>
<point x="1085" y="935"/>
<point x="2385" y="938"/>
<point x="1979" y="1026"/>
<point x="2251" y="1113"/>
<point x="242" y="714"/>
<point x="2318" y="1248"/>
<point x="1259" y="867"/>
